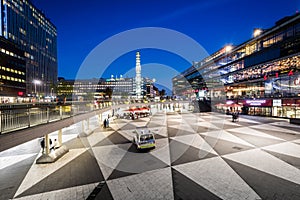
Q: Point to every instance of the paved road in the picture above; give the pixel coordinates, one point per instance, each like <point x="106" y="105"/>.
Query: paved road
<point x="198" y="156"/>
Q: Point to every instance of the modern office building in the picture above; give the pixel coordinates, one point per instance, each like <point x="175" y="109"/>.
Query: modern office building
<point x="12" y="72"/>
<point x="258" y="77"/>
<point x="115" y="87"/>
<point x="28" y="27"/>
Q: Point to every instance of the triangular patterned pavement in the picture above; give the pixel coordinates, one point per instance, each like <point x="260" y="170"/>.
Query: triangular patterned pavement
<point x="75" y="173"/>
<point x="257" y="141"/>
<point x="185" y="188"/>
<point x="12" y="180"/>
<point x="223" y="147"/>
<point x="181" y="153"/>
<point x="102" y="193"/>
<point x="154" y="184"/>
<point x="113" y="139"/>
<point x="294" y="161"/>
<point x="265" y="185"/>
<point x="136" y="162"/>
<point x="173" y="132"/>
<point x="216" y="176"/>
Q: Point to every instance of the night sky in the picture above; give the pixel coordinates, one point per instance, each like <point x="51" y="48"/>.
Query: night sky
<point x="82" y="25"/>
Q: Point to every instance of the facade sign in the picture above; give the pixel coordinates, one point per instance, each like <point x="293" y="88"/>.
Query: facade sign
<point x="277" y="102"/>
<point x="258" y="102"/>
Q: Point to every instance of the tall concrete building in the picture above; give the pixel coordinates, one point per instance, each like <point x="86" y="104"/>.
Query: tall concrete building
<point x="27" y="27"/>
<point x="138" y="78"/>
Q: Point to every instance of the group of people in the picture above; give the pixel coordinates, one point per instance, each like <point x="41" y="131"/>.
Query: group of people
<point x="52" y="147"/>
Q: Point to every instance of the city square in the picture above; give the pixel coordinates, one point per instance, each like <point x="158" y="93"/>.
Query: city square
<point x="149" y="100"/>
<point x="197" y="156"/>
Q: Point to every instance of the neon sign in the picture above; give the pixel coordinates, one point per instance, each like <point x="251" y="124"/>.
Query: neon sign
<point x="255" y="102"/>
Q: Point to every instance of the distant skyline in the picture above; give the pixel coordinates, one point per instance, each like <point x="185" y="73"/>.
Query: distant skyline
<point x="82" y="25"/>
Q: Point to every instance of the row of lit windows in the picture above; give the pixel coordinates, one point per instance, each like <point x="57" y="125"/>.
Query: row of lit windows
<point x="10" y="53"/>
<point x="9" y="78"/>
<point x="12" y="70"/>
<point x="251" y="48"/>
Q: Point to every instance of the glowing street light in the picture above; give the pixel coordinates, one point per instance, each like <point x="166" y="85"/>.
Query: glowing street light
<point x="257" y="32"/>
<point x="36" y="82"/>
<point x="228" y="48"/>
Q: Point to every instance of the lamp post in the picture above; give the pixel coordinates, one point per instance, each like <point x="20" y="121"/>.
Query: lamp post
<point x="228" y="49"/>
<point x="51" y="94"/>
<point x="36" y="82"/>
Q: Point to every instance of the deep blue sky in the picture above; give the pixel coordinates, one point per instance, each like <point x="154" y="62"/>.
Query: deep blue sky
<point x="82" y="25"/>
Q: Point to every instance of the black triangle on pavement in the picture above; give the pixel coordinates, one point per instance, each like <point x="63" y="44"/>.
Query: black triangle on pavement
<point x="223" y="147"/>
<point x="203" y="129"/>
<point x="12" y="182"/>
<point x="82" y="170"/>
<point x="128" y="126"/>
<point x="158" y="136"/>
<point x="294" y="161"/>
<point x="119" y="174"/>
<point x="185" y="188"/>
<point x="279" y="134"/>
<point x="77" y="143"/>
<point x="135" y="162"/>
<point x="296" y="129"/>
<point x="104" y="194"/>
<point x="256" y="140"/>
<point x="246" y="124"/>
<point x="173" y="132"/>
<point x="114" y="138"/>
<point x="265" y="185"/>
<point x="153" y="125"/>
<point x="181" y="153"/>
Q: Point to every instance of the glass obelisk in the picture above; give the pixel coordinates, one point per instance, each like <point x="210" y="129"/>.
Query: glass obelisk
<point x="138" y="79"/>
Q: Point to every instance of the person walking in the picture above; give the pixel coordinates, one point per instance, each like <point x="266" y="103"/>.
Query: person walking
<point x="43" y="145"/>
<point x="104" y="123"/>
<point x="107" y="122"/>
<point x="54" y="145"/>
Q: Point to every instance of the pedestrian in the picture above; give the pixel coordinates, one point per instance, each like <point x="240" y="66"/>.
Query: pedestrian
<point x="107" y="122"/>
<point x="43" y="145"/>
<point x="55" y="145"/>
<point x="104" y="123"/>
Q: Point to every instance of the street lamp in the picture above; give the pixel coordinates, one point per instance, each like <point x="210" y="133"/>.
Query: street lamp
<point x="228" y="49"/>
<point x="51" y="94"/>
<point x="36" y="82"/>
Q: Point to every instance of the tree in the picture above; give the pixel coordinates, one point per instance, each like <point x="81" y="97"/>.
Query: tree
<point x="162" y="92"/>
<point x="108" y="92"/>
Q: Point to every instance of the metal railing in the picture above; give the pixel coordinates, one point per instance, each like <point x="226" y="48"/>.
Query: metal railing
<point x="15" y="118"/>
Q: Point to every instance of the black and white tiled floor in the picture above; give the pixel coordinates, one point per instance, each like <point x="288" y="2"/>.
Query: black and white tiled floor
<point x="198" y="156"/>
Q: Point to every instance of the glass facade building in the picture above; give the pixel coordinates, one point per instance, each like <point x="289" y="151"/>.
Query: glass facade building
<point x="98" y="88"/>
<point x="260" y="76"/>
<point x="12" y="72"/>
<point x="27" y="27"/>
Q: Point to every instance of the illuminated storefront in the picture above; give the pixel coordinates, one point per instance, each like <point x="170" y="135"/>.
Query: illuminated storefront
<point x="253" y="74"/>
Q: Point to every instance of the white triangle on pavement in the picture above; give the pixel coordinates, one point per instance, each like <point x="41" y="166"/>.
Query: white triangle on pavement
<point x="109" y="156"/>
<point x="7" y="161"/>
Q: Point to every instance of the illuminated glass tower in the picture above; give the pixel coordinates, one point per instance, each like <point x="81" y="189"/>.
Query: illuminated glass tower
<point x="27" y="27"/>
<point x="138" y="79"/>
